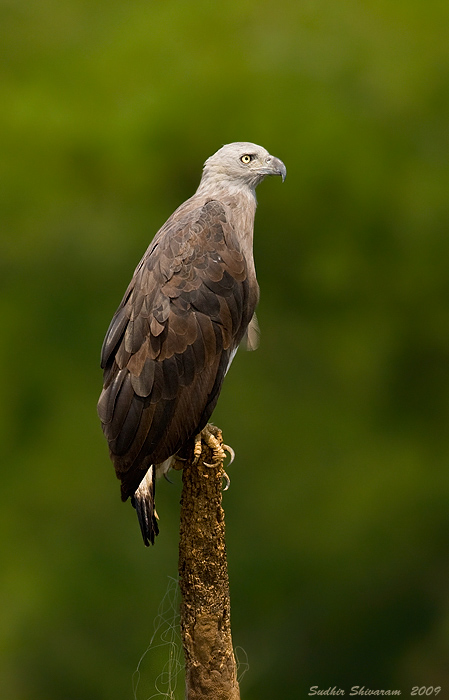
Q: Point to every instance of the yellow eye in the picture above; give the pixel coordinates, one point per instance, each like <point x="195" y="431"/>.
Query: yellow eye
<point x="246" y="159"/>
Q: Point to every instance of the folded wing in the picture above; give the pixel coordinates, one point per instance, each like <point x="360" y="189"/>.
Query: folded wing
<point x="171" y="340"/>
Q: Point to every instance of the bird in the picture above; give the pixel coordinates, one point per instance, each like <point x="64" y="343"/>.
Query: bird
<point x="190" y="304"/>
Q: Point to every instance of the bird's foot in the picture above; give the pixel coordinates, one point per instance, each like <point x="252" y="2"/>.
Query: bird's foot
<point x="212" y="437"/>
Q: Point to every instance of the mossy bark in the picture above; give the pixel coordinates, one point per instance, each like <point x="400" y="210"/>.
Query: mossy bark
<point x="210" y="665"/>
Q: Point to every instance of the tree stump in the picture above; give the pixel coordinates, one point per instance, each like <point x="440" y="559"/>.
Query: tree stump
<point x="210" y="667"/>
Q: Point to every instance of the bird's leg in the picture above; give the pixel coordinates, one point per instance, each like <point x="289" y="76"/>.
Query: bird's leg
<point x="212" y="437"/>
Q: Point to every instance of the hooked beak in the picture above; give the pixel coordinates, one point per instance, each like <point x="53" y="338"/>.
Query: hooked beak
<point x="277" y="167"/>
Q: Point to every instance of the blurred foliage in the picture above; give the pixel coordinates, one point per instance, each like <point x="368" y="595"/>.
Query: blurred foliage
<point x="338" y="512"/>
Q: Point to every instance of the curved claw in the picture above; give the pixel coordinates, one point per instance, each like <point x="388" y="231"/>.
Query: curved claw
<point x="228" y="480"/>
<point x="225" y="474"/>
<point x="231" y="453"/>
<point x="221" y="458"/>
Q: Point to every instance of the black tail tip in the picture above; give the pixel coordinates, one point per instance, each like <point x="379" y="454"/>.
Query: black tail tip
<point x="147" y="519"/>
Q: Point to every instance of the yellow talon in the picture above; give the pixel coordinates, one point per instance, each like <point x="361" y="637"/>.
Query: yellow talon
<point x="211" y="436"/>
<point x="228" y="481"/>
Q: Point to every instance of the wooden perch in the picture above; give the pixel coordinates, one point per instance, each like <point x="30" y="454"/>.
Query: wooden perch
<point x="210" y="667"/>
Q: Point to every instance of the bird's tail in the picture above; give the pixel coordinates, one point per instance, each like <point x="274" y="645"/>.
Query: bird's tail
<point x="143" y="502"/>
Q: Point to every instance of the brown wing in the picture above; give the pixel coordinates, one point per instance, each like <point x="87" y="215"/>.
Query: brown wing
<point x="171" y="340"/>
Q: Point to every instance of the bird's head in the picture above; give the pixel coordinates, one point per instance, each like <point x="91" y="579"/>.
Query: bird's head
<point x="243" y="163"/>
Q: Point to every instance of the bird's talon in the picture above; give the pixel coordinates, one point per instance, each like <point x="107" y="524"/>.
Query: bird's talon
<point x="231" y="453"/>
<point x="228" y="480"/>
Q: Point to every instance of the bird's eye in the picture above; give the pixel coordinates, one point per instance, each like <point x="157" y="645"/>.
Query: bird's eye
<point x="246" y="158"/>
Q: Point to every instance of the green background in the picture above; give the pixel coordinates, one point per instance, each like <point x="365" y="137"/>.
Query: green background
<point x="337" y="515"/>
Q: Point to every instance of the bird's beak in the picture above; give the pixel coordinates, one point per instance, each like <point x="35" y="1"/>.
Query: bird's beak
<point x="277" y="167"/>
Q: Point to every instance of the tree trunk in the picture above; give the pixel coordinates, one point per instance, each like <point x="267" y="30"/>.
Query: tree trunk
<point x="210" y="667"/>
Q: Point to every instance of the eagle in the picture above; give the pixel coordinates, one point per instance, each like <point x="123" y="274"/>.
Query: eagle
<point x="189" y="305"/>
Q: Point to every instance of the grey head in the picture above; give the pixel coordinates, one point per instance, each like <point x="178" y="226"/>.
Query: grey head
<point x="242" y="163"/>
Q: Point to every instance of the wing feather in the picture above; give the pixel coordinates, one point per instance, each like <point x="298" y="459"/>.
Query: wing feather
<point x="121" y="444"/>
<point x="120" y="410"/>
<point x="205" y="302"/>
<point x="106" y="403"/>
<point x="187" y="360"/>
<point x="114" y="334"/>
<point x="171" y="379"/>
<point x="208" y="334"/>
<point x="143" y="382"/>
<point x="158" y="383"/>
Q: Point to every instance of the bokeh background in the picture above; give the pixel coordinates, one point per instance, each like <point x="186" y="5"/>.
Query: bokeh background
<point x="337" y="515"/>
